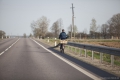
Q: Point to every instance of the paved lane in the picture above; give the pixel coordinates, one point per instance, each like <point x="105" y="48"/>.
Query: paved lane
<point x="26" y="60"/>
<point x="4" y="44"/>
<point x="6" y="40"/>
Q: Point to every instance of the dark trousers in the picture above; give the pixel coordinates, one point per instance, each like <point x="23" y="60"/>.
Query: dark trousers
<point x="61" y="46"/>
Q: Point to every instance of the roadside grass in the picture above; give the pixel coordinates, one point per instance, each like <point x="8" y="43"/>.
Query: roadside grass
<point x="106" y="57"/>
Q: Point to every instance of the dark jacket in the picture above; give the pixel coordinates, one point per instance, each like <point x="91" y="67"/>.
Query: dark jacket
<point x="62" y="35"/>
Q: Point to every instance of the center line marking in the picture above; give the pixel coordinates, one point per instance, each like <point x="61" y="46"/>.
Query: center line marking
<point x="6" y="49"/>
<point x="9" y="47"/>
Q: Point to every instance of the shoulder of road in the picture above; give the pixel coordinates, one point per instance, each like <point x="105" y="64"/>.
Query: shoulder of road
<point x="106" y="67"/>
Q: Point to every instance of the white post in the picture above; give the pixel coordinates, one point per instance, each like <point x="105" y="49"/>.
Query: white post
<point x="75" y="50"/>
<point x="92" y="55"/>
<point x="55" y="42"/>
<point x="71" y="49"/>
<point x="112" y="60"/>
<point x="80" y="51"/>
<point x="68" y="48"/>
<point x="85" y="53"/>
<point x="112" y="37"/>
<point x="101" y="57"/>
<point x="48" y="39"/>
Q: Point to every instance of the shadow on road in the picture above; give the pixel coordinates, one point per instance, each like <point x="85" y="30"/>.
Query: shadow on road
<point x="90" y="68"/>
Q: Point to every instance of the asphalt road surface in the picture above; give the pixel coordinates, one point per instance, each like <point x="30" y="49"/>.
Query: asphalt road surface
<point x="26" y="59"/>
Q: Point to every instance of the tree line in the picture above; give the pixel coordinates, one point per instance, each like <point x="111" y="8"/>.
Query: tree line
<point x="108" y="30"/>
<point x="105" y="31"/>
<point x="2" y="34"/>
<point x="40" y="28"/>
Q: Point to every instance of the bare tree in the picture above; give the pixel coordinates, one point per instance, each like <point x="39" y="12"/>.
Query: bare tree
<point x="43" y="23"/>
<point x="50" y="34"/>
<point x="37" y="32"/>
<point x="55" y="29"/>
<point x="33" y="25"/>
<point x="2" y="33"/>
<point x="104" y="30"/>
<point x="40" y="27"/>
<point x="114" y="25"/>
<point x="69" y="29"/>
<point x="30" y="35"/>
<point x="60" y="22"/>
<point x="110" y="29"/>
<point x="35" y="29"/>
<point x="85" y="33"/>
<point x="93" y="28"/>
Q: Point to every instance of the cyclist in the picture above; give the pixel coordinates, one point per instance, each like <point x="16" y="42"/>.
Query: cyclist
<point x="62" y="36"/>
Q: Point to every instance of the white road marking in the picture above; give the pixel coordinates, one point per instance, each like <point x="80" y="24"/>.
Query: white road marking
<point x="71" y="64"/>
<point x="6" y="49"/>
<point x="9" y="47"/>
<point x="2" y="52"/>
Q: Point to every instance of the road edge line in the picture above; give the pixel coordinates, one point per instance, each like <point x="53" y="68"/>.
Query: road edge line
<point x="71" y="64"/>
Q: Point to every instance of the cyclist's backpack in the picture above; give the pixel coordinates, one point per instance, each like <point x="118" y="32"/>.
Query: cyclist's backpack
<point x="63" y="35"/>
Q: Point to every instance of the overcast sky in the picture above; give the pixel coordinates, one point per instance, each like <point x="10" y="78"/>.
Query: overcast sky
<point x="17" y="15"/>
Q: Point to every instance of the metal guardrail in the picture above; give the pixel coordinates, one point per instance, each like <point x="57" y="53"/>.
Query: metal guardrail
<point x="102" y="49"/>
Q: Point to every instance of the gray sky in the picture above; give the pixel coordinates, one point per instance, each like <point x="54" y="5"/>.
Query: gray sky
<point x="17" y="15"/>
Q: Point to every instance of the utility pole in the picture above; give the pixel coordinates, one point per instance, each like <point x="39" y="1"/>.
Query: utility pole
<point x="72" y="28"/>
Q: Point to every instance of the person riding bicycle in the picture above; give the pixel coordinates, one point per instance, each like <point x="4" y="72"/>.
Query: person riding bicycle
<point x="62" y="36"/>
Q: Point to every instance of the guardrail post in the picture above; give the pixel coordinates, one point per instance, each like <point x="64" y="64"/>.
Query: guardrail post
<point x="70" y="48"/>
<point x="101" y="57"/>
<point x="112" y="60"/>
<point x="92" y="55"/>
<point x="48" y="39"/>
<point x="67" y="47"/>
<point x="75" y="50"/>
<point x="85" y="53"/>
<point x="55" y="42"/>
<point x="80" y="51"/>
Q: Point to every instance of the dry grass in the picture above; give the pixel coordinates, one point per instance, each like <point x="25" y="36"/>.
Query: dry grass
<point x="100" y="42"/>
<point x="108" y="44"/>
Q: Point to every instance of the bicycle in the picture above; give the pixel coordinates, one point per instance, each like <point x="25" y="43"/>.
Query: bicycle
<point x="62" y="43"/>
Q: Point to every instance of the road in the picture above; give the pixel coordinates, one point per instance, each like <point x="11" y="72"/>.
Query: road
<point x="27" y="59"/>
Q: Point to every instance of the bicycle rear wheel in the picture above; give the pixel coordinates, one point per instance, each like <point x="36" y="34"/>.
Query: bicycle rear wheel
<point x="62" y="50"/>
